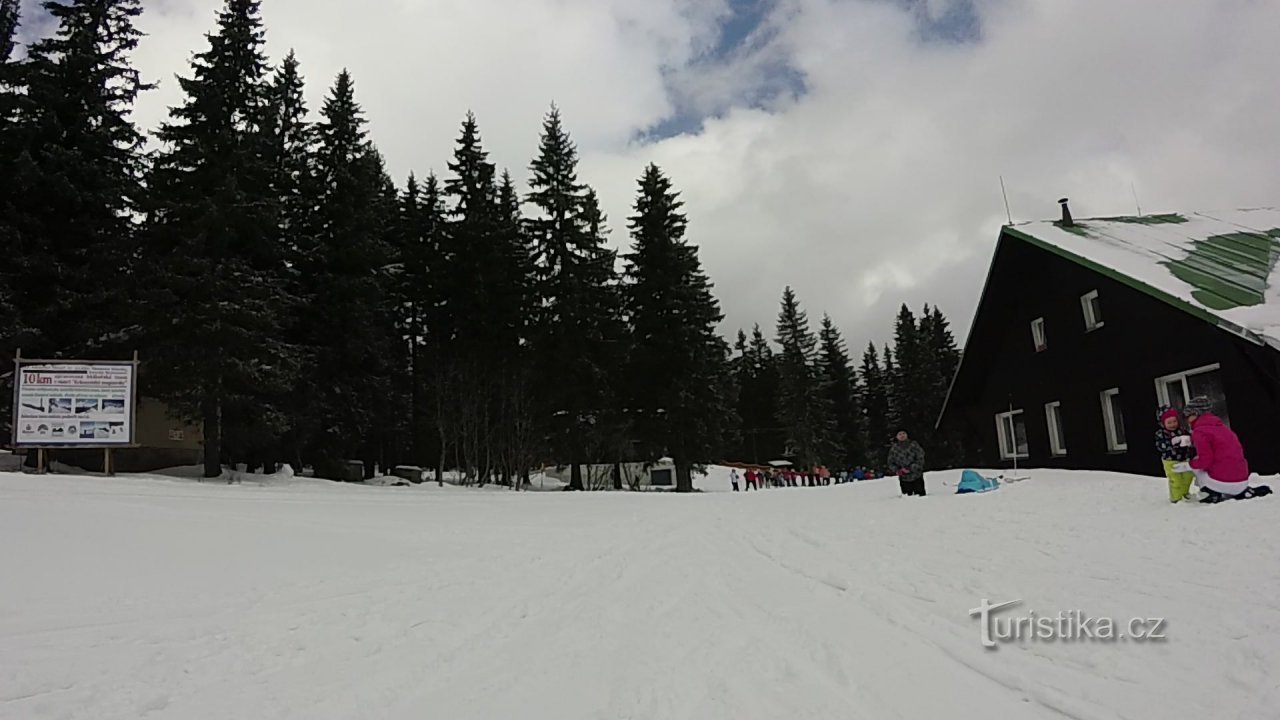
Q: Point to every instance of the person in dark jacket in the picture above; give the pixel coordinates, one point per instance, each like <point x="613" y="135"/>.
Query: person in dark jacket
<point x="906" y="459"/>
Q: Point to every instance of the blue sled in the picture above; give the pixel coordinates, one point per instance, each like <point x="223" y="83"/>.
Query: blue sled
<point x="972" y="482"/>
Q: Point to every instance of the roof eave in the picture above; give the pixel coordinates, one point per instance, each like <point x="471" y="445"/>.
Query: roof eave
<point x="964" y="352"/>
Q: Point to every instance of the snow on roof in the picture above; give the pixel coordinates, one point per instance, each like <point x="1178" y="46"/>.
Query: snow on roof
<point x="1219" y="266"/>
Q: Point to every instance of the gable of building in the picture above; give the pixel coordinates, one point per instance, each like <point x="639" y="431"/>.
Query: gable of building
<point x="1220" y="267"/>
<point x="1061" y="383"/>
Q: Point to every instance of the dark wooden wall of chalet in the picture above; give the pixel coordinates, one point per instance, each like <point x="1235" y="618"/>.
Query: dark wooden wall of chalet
<point x="1142" y="338"/>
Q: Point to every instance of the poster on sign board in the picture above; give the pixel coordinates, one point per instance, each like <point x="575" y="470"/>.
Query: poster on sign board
<point x="74" y="404"/>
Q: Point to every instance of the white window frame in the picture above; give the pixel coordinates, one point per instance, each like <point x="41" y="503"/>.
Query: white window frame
<point x="1109" y="421"/>
<point x="1091" y="321"/>
<point x="1038" y="338"/>
<point x="1057" y="440"/>
<point x="1007" y="453"/>
<point x="1162" y="392"/>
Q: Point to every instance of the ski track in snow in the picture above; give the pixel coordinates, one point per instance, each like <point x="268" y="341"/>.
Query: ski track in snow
<point x="147" y="598"/>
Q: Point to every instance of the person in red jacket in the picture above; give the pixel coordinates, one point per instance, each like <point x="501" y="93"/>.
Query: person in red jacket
<point x="1219" y="465"/>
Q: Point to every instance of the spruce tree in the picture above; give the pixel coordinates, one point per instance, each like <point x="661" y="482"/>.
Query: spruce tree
<point x="291" y="139"/>
<point x="212" y="253"/>
<point x="913" y="385"/>
<point x="678" y="369"/>
<point x="517" y="422"/>
<point x="77" y="178"/>
<point x="576" y="339"/>
<point x="840" y="383"/>
<point x="892" y="382"/>
<point x="351" y="322"/>
<point x="413" y="249"/>
<point x="805" y="408"/>
<point x="759" y="437"/>
<point x="874" y="392"/>
<point x="427" y="284"/>
<point x="11" y="96"/>
<point x="471" y="278"/>
<point x="769" y="440"/>
<point x="942" y="361"/>
<point x="740" y="365"/>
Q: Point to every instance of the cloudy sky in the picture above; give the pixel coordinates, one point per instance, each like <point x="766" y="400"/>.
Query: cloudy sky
<point x="849" y="148"/>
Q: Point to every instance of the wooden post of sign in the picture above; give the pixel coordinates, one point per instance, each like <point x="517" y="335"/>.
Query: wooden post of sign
<point x="106" y="463"/>
<point x="40" y="464"/>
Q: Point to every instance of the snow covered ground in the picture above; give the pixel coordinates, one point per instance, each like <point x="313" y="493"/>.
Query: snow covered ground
<point x="163" y="598"/>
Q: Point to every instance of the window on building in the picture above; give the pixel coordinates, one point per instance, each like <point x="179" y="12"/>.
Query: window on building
<point x="1113" y="420"/>
<point x="1037" y="334"/>
<point x="1012" y="431"/>
<point x="1053" y="418"/>
<point x="1092" y="311"/>
<point x="1175" y="390"/>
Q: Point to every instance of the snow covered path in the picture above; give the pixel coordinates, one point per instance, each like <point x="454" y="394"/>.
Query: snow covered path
<point x="127" y="598"/>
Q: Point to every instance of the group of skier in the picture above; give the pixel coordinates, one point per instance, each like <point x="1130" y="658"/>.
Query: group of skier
<point x="759" y="479"/>
<point x="1195" y="446"/>
<point x="906" y="461"/>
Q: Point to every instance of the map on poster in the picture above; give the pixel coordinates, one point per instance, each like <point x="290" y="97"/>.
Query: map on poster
<point x="74" y="404"/>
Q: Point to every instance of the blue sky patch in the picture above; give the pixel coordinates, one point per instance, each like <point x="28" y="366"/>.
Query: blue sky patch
<point x="958" y="21"/>
<point x="745" y="30"/>
<point x="743" y="33"/>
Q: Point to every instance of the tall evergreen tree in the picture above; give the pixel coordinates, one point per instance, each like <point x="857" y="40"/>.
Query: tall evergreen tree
<point x="874" y="391"/>
<point x="578" y="323"/>
<point x="10" y="149"/>
<point x="760" y="437"/>
<point x="212" y="255"/>
<point x="352" y="327"/>
<point x="805" y="409"/>
<point x="769" y="437"/>
<point x="513" y="311"/>
<point x="942" y="358"/>
<point x="76" y="175"/>
<point x="740" y="365"/>
<point x="413" y="249"/>
<point x="678" y="364"/>
<point x="892" y="382"/>
<point x="11" y="328"/>
<point x="840" y="383"/>
<point x="423" y="247"/>
<point x="914" y="384"/>
<point x="291" y="149"/>
<point x="473" y="277"/>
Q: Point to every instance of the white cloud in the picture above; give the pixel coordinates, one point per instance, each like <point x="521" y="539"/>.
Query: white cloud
<point x="880" y="185"/>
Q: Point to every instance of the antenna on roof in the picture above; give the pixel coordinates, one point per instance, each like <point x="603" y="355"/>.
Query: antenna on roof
<point x="1134" y="188"/>
<point x="1006" y="200"/>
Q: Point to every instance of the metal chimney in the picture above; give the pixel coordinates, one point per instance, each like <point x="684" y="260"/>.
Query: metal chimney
<point x="1066" y="214"/>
